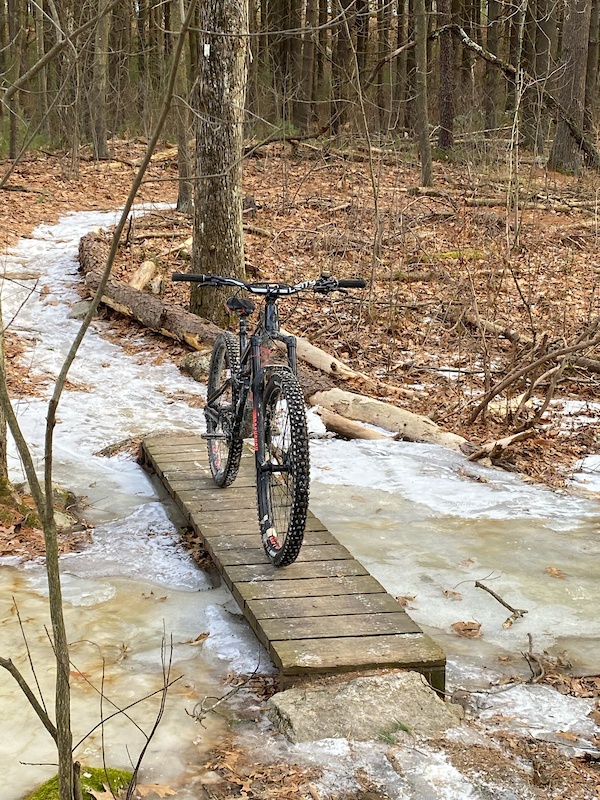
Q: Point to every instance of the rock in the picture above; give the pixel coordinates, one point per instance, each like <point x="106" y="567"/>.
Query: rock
<point x="364" y="708"/>
<point x="196" y="364"/>
<point x="79" y="309"/>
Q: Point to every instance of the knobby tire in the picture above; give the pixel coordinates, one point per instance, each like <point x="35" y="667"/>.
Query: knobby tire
<point x="283" y="481"/>
<point x="224" y="452"/>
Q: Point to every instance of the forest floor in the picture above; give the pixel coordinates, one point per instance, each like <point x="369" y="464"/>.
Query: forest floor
<point x="463" y="289"/>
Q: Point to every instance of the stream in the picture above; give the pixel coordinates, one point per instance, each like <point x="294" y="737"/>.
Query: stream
<point x="424" y="521"/>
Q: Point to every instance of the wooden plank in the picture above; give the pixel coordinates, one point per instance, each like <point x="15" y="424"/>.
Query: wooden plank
<point x="324" y="605"/>
<point x="202" y="482"/>
<point x="307" y="587"/>
<point x="162" y="444"/>
<point x="310" y="569"/>
<point x="343" y="625"/>
<point x="241" y="500"/>
<point x="245" y="541"/>
<point x="409" y="650"/>
<point x="326" y="552"/>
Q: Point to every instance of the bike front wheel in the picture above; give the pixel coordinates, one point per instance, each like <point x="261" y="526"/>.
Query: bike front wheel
<point x="224" y="450"/>
<point x="283" y="478"/>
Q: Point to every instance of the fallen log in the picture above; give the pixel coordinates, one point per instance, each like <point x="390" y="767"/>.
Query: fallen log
<point x="318" y="382"/>
<point x="143" y="275"/>
<point x="404" y="424"/>
<point x="348" y="428"/>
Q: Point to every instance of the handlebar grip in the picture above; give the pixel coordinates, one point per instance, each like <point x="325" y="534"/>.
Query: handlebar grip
<point x="188" y="276"/>
<point x="351" y="283"/>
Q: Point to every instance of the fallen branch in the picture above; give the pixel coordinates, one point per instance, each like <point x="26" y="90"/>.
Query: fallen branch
<point x="493" y="449"/>
<point x="405" y="424"/>
<point x="520" y="372"/>
<point x="347" y="428"/>
<point x="516" y="613"/>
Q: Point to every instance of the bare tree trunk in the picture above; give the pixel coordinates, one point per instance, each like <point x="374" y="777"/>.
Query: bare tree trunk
<point x="13" y="74"/>
<point x="566" y="155"/>
<point x="304" y="110"/>
<point x="219" y="104"/>
<point x="341" y="66"/>
<point x="490" y="76"/>
<point x="422" y="117"/>
<point x="591" y="74"/>
<point x="446" y="91"/>
<point x="100" y="82"/>
<point x="183" y="124"/>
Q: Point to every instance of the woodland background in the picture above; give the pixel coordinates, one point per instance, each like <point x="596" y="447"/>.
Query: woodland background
<point x="483" y="287"/>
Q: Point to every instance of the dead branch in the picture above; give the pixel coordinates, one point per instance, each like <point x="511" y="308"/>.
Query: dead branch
<point x="516" y="613"/>
<point x="493" y="449"/>
<point x="520" y="372"/>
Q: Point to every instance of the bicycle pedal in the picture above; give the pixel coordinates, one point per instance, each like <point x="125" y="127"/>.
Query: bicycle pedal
<point x="213" y="436"/>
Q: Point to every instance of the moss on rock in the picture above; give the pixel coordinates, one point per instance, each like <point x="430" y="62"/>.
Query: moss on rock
<point x="92" y="778"/>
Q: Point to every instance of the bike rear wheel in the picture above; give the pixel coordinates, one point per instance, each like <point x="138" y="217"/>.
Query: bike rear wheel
<point x="283" y="480"/>
<point x="224" y="451"/>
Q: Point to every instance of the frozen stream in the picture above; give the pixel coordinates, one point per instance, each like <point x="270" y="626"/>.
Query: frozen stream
<point x="427" y="524"/>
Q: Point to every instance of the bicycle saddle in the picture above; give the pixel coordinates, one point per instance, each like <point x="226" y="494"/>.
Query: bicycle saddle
<point x="241" y="306"/>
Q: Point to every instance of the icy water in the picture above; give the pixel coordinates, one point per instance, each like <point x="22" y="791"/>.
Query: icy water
<point x="424" y="521"/>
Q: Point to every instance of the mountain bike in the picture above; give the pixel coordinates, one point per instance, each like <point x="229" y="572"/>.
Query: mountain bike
<point x="250" y="392"/>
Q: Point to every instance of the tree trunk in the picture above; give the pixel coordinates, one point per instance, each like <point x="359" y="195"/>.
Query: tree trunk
<point x="304" y="111"/>
<point x="183" y="124"/>
<point x="490" y="76"/>
<point x="100" y="82"/>
<point x="383" y="83"/>
<point x="219" y="105"/>
<point x="591" y="74"/>
<point x="566" y="155"/>
<point x="531" y="101"/>
<point x="422" y="117"/>
<point x="446" y="91"/>
<point x="13" y="74"/>
<point x="341" y="66"/>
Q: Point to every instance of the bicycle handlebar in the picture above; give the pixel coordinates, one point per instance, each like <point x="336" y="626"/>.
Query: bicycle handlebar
<point x="322" y="285"/>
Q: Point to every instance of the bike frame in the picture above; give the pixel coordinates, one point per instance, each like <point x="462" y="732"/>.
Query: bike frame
<point x="253" y="374"/>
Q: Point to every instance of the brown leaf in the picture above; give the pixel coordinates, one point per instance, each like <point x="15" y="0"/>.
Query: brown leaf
<point x="105" y="795"/>
<point x="452" y="595"/>
<point x="470" y="630"/>
<point x="154" y="788"/>
<point x="198" y="640"/>
<point x="404" y="600"/>
<point x="556" y="573"/>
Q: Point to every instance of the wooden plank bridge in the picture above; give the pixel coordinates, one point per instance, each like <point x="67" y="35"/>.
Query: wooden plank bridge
<point x="322" y="615"/>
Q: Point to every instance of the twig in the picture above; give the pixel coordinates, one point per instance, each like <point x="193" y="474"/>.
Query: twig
<point x="201" y="710"/>
<point x="516" y="613"/>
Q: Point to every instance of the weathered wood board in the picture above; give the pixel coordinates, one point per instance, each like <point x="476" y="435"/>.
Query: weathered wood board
<point x="325" y="613"/>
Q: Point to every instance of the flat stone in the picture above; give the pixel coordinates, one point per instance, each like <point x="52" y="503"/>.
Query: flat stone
<point x="369" y="707"/>
<point x="196" y="364"/>
<point x="79" y="309"/>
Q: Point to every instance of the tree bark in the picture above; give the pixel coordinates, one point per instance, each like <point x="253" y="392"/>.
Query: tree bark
<point x="422" y="117"/>
<point x="100" y="81"/>
<point x="219" y="105"/>
<point x="591" y="75"/>
<point x="446" y="91"/>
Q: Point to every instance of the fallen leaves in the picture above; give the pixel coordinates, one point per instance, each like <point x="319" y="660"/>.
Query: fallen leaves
<point x="470" y="630"/>
<point x="556" y="573"/>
